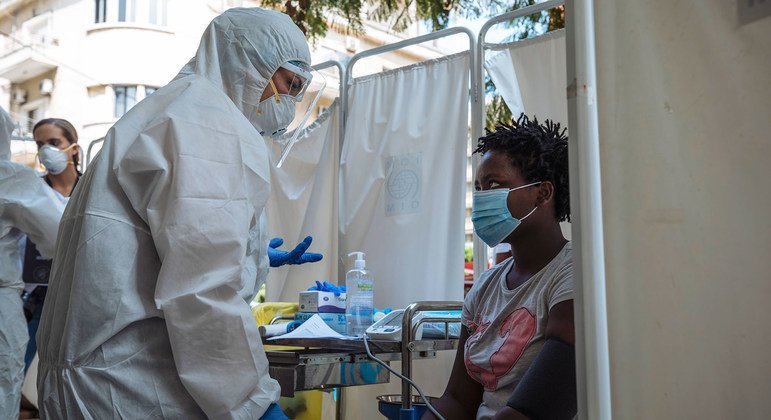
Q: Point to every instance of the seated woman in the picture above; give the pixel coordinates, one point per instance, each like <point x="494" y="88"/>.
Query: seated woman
<point x="515" y="357"/>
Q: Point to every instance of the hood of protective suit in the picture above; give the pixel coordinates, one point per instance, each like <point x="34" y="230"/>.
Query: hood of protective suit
<point x="242" y="48"/>
<point x="6" y="128"/>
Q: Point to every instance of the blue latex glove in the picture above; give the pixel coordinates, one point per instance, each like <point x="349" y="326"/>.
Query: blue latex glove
<point x="274" y="412"/>
<point x="298" y="255"/>
<point x="328" y="287"/>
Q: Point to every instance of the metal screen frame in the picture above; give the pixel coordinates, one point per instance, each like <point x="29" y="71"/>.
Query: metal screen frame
<point x="480" y="248"/>
<point x="474" y="88"/>
<point x="87" y="160"/>
<point x="592" y="353"/>
<point x="341" y="69"/>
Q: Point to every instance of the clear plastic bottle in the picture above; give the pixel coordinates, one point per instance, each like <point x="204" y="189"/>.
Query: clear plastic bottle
<point x="359" y="302"/>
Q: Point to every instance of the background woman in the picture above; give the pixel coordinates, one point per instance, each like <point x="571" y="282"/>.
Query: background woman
<point x="58" y="151"/>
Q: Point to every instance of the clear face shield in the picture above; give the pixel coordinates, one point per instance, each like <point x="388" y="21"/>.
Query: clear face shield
<point x="296" y="89"/>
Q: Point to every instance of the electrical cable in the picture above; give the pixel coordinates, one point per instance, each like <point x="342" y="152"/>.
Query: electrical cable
<point x="404" y="378"/>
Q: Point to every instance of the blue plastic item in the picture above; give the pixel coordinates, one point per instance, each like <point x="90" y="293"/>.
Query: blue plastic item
<point x="328" y="287"/>
<point x="274" y="412"/>
<point x="391" y="407"/>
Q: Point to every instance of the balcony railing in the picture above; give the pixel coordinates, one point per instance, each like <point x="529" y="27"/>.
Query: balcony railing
<point x="23" y="51"/>
<point x="35" y="32"/>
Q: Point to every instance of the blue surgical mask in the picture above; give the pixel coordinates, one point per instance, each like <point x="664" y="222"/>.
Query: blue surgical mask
<point x="491" y="217"/>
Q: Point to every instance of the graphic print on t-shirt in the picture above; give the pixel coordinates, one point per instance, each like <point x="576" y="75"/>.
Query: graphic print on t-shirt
<point x="507" y="347"/>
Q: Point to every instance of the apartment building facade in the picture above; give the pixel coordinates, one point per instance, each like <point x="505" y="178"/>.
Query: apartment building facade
<point x="90" y="61"/>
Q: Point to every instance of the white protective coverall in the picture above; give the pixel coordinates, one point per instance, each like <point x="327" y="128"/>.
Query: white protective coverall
<point x="27" y="206"/>
<point x="164" y="244"/>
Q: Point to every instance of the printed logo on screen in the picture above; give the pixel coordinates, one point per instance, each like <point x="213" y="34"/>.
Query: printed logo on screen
<point x="403" y="185"/>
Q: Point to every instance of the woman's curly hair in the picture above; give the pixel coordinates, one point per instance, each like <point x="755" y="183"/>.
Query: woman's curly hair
<point x="539" y="151"/>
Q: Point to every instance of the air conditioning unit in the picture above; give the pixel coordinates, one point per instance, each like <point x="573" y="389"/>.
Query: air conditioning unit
<point x="19" y="96"/>
<point x="352" y="44"/>
<point x="46" y="86"/>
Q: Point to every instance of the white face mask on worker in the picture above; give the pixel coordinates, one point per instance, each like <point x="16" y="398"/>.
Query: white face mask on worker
<point x="273" y="115"/>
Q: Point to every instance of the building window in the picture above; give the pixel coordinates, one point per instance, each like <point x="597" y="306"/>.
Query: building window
<point x="125" y="98"/>
<point x="149" y="90"/>
<point x="101" y="11"/>
<point x="122" y="10"/>
<point x="33" y="115"/>
<point x="151" y="12"/>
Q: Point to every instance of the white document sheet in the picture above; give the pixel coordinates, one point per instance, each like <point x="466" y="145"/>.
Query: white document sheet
<point x="314" y="327"/>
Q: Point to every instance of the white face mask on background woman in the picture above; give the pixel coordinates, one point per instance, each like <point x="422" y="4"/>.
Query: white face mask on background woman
<point x="55" y="160"/>
<point x="490" y="214"/>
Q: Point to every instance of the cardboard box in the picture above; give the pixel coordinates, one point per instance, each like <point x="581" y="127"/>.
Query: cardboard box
<point x="335" y="321"/>
<point x="322" y="302"/>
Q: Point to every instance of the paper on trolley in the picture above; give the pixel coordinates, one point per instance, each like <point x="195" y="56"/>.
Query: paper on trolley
<point x="314" y="327"/>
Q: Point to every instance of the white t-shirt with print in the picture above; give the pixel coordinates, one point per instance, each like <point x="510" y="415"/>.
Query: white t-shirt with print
<point x="507" y="327"/>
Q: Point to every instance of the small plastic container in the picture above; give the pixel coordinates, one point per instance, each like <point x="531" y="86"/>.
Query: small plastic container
<point x="391" y="407"/>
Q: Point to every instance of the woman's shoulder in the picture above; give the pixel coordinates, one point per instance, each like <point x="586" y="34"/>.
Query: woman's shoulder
<point x="563" y="262"/>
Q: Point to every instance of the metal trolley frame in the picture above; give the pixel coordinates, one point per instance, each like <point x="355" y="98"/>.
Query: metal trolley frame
<point x="324" y="363"/>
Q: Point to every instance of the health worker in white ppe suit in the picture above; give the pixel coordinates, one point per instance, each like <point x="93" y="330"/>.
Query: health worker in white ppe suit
<point x="163" y="243"/>
<point x="27" y="206"/>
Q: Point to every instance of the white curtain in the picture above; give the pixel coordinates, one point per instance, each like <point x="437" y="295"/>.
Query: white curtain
<point x="303" y="201"/>
<point x="403" y="179"/>
<point x="684" y="98"/>
<point x="530" y="75"/>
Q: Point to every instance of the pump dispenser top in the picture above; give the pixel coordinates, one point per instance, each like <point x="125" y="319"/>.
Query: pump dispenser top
<point x="359" y="264"/>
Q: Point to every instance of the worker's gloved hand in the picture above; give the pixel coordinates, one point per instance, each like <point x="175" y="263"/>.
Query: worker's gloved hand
<point x="274" y="412"/>
<point x="298" y="255"/>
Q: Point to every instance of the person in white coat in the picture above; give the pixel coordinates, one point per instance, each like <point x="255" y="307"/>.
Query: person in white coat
<point x="163" y="243"/>
<point x="27" y="207"/>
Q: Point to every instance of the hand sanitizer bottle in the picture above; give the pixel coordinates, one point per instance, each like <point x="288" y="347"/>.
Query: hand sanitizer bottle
<point x="359" y="297"/>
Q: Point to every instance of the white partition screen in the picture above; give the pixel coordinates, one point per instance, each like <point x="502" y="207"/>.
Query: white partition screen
<point x="530" y="76"/>
<point x="684" y="96"/>
<point x="403" y="179"/>
<point x="303" y="201"/>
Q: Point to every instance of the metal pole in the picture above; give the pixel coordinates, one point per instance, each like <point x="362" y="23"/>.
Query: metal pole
<point x="592" y="359"/>
<point x="87" y="160"/>
<point x="341" y="134"/>
<point x="408" y="335"/>
<point x="339" y="405"/>
<point x="516" y="14"/>
<point x="341" y="94"/>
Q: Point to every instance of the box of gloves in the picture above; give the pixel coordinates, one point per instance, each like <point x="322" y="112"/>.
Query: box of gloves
<point x="322" y="302"/>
